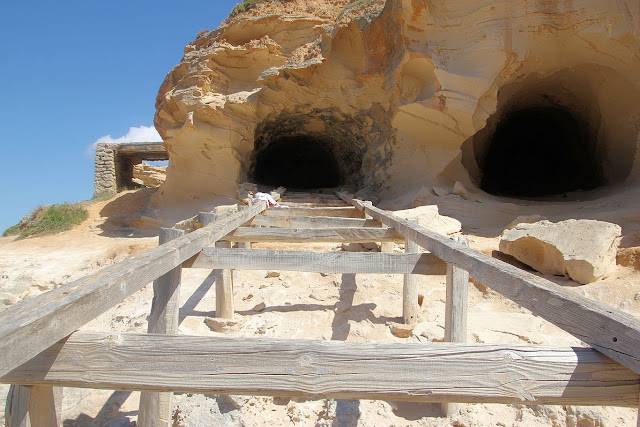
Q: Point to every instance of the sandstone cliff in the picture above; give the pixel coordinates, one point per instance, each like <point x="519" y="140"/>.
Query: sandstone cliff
<point x="516" y="98"/>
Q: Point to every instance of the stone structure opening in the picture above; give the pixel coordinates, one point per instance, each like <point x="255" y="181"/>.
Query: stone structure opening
<point x="115" y="162"/>
<point x="539" y="151"/>
<point x="557" y="133"/>
<point x="314" y="149"/>
<point x="298" y="162"/>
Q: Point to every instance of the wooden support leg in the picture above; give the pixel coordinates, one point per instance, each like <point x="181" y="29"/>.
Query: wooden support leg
<point x="410" y="289"/>
<point x="155" y="408"/>
<point x="32" y="406"/>
<point x="384" y="246"/>
<point x="224" y="288"/>
<point x="455" y="318"/>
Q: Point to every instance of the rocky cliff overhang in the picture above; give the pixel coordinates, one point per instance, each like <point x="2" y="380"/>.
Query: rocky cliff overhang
<point x="517" y="98"/>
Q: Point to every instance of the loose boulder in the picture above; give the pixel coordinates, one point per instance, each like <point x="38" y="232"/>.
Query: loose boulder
<point x="429" y="217"/>
<point x="584" y="250"/>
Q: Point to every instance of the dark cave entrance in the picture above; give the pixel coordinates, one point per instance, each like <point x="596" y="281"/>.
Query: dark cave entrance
<point x="539" y="151"/>
<point x="301" y="161"/>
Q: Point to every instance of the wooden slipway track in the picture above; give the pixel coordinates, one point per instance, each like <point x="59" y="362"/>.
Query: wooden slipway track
<point x="42" y="352"/>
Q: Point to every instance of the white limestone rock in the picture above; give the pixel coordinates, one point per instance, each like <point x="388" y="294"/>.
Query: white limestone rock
<point x="584" y="250"/>
<point x="429" y="217"/>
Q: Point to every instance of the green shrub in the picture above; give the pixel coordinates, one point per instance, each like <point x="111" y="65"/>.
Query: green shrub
<point x="12" y="231"/>
<point x="244" y="6"/>
<point x="50" y="220"/>
<point x="101" y="197"/>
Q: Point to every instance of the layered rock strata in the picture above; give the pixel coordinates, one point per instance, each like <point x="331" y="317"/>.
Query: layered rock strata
<point x="520" y="98"/>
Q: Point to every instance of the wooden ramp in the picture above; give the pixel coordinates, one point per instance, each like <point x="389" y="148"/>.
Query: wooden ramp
<point x="42" y="351"/>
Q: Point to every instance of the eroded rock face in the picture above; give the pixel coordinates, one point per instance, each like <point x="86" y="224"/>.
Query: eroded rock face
<point x="149" y="176"/>
<point x="584" y="250"/>
<point x="518" y="98"/>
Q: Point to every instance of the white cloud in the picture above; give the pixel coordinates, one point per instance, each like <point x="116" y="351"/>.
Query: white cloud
<point x="135" y="134"/>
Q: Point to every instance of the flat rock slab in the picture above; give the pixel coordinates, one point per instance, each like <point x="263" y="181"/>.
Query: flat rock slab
<point x="584" y="250"/>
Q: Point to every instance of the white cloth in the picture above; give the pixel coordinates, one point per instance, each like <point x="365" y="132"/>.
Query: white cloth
<point x="264" y="197"/>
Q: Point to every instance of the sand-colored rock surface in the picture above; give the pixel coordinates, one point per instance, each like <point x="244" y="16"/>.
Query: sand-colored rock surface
<point x="399" y="94"/>
<point x="149" y="176"/>
<point x="584" y="250"/>
<point x="429" y="217"/>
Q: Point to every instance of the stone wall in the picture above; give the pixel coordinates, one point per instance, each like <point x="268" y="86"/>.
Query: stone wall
<point x="114" y="163"/>
<point x="105" y="169"/>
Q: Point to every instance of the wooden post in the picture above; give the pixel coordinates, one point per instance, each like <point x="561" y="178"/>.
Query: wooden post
<point x="224" y="288"/>
<point x="410" y="289"/>
<point x="224" y="278"/>
<point x="32" y="406"/>
<point x="155" y="408"/>
<point x="244" y="245"/>
<point x="455" y="318"/>
<point x="384" y="246"/>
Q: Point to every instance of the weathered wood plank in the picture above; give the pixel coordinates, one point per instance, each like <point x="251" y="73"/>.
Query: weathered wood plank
<point x="320" y="262"/>
<point x="332" y="369"/>
<point x="314" y="196"/>
<point x="45" y="406"/>
<point x="309" y="203"/>
<point x="313" y="222"/>
<point x="410" y="290"/>
<point x="224" y="288"/>
<point x="611" y="331"/>
<point x="32" y="406"/>
<point x="34" y="324"/>
<point x="303" y="235"/>
<point x="155" y="408"/>
<point x="342" y="212"/>
<point x="455" y="317"/>
<point x="455" y="312"/>
<point x="16" y="411"/>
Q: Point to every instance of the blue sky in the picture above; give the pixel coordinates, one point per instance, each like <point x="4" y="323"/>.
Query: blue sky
<point x="72" y="72"/>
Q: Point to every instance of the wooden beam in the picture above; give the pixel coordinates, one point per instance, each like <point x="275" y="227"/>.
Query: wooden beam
<point x="342" y="212"/>
<point x="32" y="406"/>
<point x="224" y="288"/>
<point x="303" y="235"/>
<point x="455" y="312"/>
<point x="611" y="331"/>
<point x="313" y="222"/>
<point x="435" y="372"/>
<point x="455" y="318"/>
<point x="16" y="412"/>
<point x="155" y="408"/>
<point x="34" y="324"/>
<point x="320" y="262"/>
<point x="410" y="290"/>
<point x="311" y="202"/>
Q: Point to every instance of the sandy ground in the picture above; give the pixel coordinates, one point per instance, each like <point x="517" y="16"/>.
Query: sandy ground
<point x="303" y="305"/>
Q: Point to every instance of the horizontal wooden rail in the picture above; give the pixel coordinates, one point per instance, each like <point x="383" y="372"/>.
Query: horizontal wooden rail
<point x="304" y="235"/>
<point x="342" y="212"/>
<point x="478" y="373"/>
<point x="32" y="325"/>
<point x="314" y="196"/>
<point x="611" y="331"/>
<point x="313" y="222"/>
<point x="319" y="262"/>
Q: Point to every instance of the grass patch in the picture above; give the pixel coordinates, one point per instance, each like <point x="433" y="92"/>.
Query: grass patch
<point x="102" y="197"/>
<point x="50" y="220"/>
<point x="12" y="231"/>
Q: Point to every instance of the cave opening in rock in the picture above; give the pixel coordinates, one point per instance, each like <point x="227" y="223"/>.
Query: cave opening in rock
<point x="302" y="161"/>
<point x="539" y="151"/>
